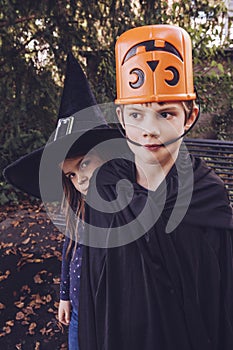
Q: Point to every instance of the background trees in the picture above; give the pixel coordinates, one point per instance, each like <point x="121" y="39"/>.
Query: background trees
<point x="36" y="37"/>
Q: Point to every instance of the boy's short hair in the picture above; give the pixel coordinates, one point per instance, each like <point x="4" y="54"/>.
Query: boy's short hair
<point x="188" y="108"/>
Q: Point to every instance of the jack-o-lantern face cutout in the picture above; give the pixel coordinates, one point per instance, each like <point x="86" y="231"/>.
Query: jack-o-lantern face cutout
<point x="156" y="69"/>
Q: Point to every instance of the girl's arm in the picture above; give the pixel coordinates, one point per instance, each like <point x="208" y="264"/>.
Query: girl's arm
<point x="65" y="271"/>
<point x="64" y="305"/>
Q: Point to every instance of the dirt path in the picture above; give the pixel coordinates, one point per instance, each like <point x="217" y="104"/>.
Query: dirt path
<point x="30" y="262"/>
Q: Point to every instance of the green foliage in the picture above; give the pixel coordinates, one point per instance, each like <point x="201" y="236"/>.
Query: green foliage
<point x="37" y="35"/>
<point x="223" y="123"/>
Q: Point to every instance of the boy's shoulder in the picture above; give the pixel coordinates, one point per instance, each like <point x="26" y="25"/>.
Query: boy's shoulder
<point x="105" y="179"/>
<point x="203" y="173"/>
<point x="116" y="169"/>
<point x="210" y="202"/>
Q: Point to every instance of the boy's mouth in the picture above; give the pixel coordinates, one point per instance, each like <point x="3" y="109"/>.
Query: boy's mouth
<point x="152" y="147"/>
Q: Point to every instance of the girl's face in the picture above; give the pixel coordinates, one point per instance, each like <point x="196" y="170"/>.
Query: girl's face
<point x="80" y="169"/>
<point x="150" y="125"/>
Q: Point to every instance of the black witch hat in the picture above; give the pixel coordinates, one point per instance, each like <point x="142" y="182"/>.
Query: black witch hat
<point x="80" y="127"/>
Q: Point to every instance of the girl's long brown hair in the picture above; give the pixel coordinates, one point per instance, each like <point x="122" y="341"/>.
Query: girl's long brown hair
<point x="75" y="202"/>
<point x="74" y="211"/>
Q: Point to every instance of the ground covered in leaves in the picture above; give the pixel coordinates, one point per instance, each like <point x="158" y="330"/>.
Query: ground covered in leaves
<point x="30" y="263"/>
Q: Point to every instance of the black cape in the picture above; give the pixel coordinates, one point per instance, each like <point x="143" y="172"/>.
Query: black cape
<point x="163" y="291"/>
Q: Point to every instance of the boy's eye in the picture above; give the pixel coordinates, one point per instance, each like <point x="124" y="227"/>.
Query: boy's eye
<point x="135" y="115"/>
<point x="165" y="115"/>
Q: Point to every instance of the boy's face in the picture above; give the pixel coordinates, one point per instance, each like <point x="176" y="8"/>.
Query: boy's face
<point x="152" y="124"/>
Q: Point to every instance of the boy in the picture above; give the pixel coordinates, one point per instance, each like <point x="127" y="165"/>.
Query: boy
<point x="162" y="276"/>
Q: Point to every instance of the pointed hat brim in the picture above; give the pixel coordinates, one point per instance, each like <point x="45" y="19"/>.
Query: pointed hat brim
<point x="42" y="165"/>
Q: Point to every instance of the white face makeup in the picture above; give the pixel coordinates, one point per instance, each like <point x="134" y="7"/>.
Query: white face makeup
<point x="80" y="169"/>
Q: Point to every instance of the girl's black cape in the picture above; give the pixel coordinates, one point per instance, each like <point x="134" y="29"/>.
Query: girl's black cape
<point x="161" y="291"/>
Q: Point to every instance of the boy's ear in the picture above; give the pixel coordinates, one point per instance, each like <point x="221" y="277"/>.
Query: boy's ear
<point x="192" y="118"/>
<point x="120" y="116"/>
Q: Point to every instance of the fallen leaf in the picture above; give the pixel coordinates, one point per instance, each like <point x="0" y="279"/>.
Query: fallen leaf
<point x="34" y="260"/>
<point x="28" y="311"/>
<point x="10" y="323"/>
<point x="24" y="232"/>
<point x="26" y="241"/>
<point x="19" y="315"/>
<point x="15" y="223"/>
<point x="47" y="298"/>
<point x="5" y="276"/>
<point x="26" y="288"/>
<point x="19" y="304"/>
<point x="26" y="255"/>
<point x="31" y="328"/>
<point x="32" y="325"/>
<point x="51" y="310"/>
<point x="37" y="279"/>
<point x="56" y="280"/>
<point x="37" y="347"/>
<point x="43" y="331"/>
<point x="56" y="304"/>
<point x="7" y="329"/>
<point x="47" y="255"/>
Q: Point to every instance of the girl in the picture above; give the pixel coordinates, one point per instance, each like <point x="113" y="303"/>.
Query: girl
<point x="77" y="170"/>
<point x="38" y="174"/>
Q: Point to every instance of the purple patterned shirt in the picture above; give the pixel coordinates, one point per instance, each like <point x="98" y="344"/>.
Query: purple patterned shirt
<point x="70" y="273"/>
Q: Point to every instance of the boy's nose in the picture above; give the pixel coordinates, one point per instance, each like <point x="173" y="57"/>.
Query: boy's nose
<point x="151" y="128"/>
<point x="152" y="131"/>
